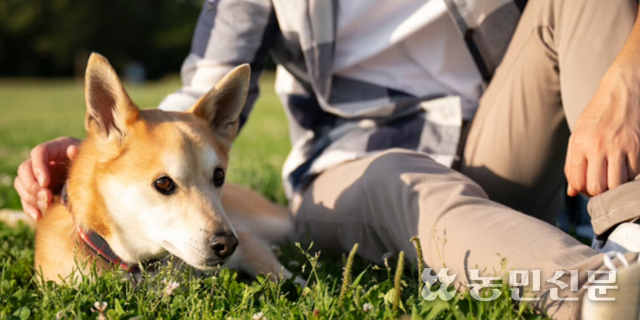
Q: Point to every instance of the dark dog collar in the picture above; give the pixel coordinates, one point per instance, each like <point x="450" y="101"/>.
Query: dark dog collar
<point x="95" y="242"/>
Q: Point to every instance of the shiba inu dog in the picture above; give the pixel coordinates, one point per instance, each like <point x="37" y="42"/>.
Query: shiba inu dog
<point x="147" y="184"/>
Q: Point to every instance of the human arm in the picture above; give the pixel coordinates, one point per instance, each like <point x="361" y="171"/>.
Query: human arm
<point x="228" y="33"/>
<point x="604" y="148"/>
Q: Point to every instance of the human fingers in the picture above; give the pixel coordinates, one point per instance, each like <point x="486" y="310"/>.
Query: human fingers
<point x="55" y="150"/>
<point x="596" y="177"/>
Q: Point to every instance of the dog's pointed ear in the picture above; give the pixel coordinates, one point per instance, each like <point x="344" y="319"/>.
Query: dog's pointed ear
<point x="221" y="106"/>
<point x="109" y="108"/>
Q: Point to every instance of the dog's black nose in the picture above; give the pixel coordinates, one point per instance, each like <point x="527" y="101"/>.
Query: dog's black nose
<point x="223" y="246"/>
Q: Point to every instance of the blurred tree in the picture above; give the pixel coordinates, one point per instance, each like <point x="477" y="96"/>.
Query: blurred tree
<point x="55" y="37"/>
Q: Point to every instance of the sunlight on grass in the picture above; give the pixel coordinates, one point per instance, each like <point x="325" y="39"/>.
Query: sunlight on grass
<point x="34" y="111"/>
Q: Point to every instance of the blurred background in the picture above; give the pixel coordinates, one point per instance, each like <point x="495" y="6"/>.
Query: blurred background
<point x="44" y="48"/>
<point x="53" y="38"/>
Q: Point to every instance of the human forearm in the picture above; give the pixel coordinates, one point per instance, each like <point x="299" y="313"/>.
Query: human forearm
<point x="631" y="51"/>
<point x="228" y="33"/>
<point x="604" y="149"/>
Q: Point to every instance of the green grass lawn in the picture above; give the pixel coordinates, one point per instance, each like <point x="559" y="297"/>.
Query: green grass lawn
<point x="33" y="111"/>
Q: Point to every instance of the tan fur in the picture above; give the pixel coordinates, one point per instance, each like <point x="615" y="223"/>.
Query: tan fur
<point x="244" y="202"/>
<point x="58" y="245"/>
<point x="128" y="147"/>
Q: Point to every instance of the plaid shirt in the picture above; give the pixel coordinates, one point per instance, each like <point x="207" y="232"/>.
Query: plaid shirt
<point x="333" y="119"/>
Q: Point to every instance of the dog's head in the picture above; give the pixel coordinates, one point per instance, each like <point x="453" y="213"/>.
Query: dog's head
<point x="150" y="181"/>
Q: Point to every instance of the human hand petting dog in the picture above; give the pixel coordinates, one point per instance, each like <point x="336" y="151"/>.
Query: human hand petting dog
<point x="46" y="169"/>
<point x="604" y="148"/>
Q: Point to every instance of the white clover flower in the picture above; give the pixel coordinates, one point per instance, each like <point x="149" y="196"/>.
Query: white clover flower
<point x="170" y="287"/>
<point x="100" y="307"/>
<point x="259" y="316"/>
<point x="367" y="307"/>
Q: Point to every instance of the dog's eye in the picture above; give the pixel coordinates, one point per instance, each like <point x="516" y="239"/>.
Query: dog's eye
<point x="218" y="177"/>
<point x="165" y="185"/>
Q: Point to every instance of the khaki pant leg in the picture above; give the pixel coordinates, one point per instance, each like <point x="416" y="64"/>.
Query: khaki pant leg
<point x="517" y="143"/>
<point x="382" y="201"/>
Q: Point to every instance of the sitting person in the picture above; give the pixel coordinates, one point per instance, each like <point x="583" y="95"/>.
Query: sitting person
<point x="386" y="98"/>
